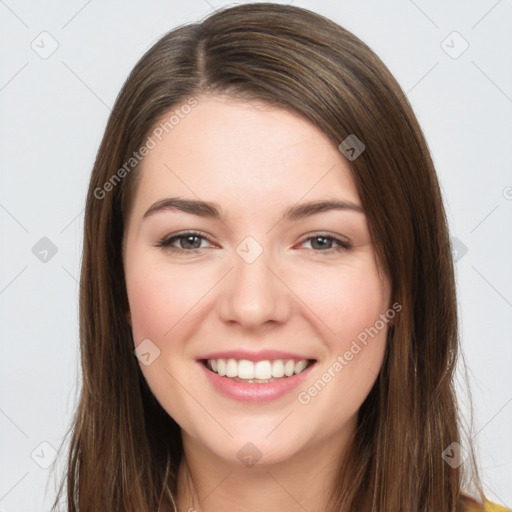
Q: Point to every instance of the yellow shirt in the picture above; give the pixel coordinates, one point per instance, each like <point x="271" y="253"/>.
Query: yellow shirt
<point x="490" y="507"/>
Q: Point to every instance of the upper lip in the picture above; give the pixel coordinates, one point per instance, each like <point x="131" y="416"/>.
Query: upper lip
<point x="260" y="355"/>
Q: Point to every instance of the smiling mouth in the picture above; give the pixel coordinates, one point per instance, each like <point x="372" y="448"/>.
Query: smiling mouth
<point x="260" y="372"/>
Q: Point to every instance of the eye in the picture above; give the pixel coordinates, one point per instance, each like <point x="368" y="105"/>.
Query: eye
<point x="191" y="242"/>
<point x="324" y="243"/>
<point x="188" y="242"/>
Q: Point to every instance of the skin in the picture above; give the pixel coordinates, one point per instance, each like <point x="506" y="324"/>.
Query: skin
<point x="297" y="296"/>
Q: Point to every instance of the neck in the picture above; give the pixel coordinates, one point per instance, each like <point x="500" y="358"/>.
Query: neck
<point x="208" y="483"/>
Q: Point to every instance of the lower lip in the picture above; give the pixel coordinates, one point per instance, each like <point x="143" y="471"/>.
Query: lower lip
<point x="245" y="392"/>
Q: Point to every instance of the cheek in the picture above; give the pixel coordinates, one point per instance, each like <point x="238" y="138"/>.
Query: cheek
<point x="160" y="300"/>
<point x="162" y="310"/>
<point x="352" y="306"/>
<point x="347" y="300"/>
<point x="148" y="308"/>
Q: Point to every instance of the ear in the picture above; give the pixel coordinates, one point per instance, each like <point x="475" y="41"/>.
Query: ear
<point x="129" y="317"/>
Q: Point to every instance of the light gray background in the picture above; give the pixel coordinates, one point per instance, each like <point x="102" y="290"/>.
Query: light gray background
<point x="54" y="111"/>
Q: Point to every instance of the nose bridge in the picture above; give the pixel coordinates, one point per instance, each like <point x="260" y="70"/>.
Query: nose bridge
<point x="252" y="294"/>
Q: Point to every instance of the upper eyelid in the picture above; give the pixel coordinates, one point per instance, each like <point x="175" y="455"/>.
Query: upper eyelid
<point x="183" y="234"/>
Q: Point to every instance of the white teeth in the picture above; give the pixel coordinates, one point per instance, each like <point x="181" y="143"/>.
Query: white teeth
<point x="262" y="370"/>
<point x="245" y="369"/>
<point x="278" y="368"/>
<point x="300" y="366"/>
<point x="289" y="367"/>
<point x="231" y="368"/>
<point x="221" y="367"/>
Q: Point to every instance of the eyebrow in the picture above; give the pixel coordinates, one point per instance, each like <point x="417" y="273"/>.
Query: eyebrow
<point x="212" y="210"/>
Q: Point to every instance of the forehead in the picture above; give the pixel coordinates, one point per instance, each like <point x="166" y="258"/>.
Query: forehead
<point x="244" y="155"/>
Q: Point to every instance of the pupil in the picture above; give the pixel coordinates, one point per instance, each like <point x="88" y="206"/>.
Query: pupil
<point x="189" y="239"/>
<point x="321" y="245"/>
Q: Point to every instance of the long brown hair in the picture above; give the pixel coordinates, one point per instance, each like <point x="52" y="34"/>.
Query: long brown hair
<point x="125" y="449"/>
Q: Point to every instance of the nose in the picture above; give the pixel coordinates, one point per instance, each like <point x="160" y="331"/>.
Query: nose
<point x="253" y="294"/>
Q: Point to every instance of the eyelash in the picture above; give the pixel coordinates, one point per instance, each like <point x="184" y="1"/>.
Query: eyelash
<point x="165" y="243"/>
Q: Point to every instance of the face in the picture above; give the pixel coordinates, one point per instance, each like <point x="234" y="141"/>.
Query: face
<point x="287" y="299"/>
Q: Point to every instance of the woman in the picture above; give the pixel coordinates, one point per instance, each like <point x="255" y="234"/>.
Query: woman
<point x="267" y="306"/>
